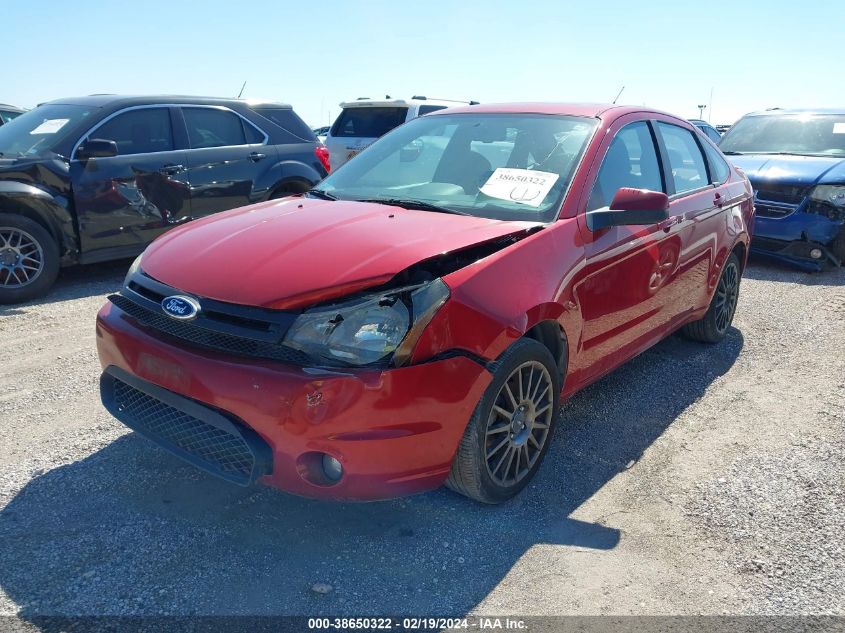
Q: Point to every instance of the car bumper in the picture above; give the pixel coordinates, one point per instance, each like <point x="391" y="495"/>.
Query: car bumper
<point x="793" y="237"/>
<point x="395" y="432"/>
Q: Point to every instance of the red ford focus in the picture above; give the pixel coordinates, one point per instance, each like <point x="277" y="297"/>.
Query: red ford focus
<point x="418" y="319"/>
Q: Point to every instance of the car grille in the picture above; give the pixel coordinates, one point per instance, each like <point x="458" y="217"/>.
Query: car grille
<point x="781" y="194"/>
<point x="238" y="330"/>
<point x="223" y="449"/>
<point x="767" y="244"/>
<point x="766" y="209"/>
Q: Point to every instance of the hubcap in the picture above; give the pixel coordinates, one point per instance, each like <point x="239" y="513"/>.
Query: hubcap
<point x="21" y="258"/>
<point x="727" y="295"/>
<point x="519" y="423"/>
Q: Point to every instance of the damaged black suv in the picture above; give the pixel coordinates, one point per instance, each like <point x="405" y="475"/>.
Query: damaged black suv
<point x="98" y="178"/>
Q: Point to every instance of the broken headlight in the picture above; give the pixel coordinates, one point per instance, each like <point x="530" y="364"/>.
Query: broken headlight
<point x="370" y="330"/>
<point x="828" y="200"/>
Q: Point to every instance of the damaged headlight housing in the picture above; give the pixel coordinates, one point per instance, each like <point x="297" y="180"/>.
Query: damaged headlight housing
<point x="373" y="330"/>
<point x="831" y="198"/>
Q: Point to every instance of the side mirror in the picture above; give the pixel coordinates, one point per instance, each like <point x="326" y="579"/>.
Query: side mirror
<point x="631" y="206"/>
<point x="96" y="148"/>
<point x="411" y="151"/>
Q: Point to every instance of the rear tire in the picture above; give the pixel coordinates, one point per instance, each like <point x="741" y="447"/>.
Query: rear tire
<point x="29" y="259"/>
<point x="714" y="325"/>
<point x="511" y="428"/>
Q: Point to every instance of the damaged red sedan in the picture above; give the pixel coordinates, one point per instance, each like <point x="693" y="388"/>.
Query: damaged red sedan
<point x="418" y="318"/>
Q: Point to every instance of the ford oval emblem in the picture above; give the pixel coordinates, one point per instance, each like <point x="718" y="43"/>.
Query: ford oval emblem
<point x="180" y="307"/>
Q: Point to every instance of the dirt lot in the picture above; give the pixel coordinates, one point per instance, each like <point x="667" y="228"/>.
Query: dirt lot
<point x="695" y="479"/>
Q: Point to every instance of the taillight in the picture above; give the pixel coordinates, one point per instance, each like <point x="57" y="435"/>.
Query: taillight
<point x="322" y="153"/>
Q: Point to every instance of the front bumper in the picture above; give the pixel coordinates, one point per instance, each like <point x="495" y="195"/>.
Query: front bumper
<point x="394" y="431"/>
<point x="791" y="238"/>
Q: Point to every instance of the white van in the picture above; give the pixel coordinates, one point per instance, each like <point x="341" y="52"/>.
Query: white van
<point x="362" y="121"/>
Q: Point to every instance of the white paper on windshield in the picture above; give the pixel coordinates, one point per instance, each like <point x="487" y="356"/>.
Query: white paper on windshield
<point x="524" y="186"/>
<point x="50" y="126"/>
<point x="839" y="128"/>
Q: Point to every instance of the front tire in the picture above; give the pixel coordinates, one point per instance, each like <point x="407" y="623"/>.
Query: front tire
<point x="29" y="259"/>
<point x="511" y="428"/>
<point x="714" y="325"/>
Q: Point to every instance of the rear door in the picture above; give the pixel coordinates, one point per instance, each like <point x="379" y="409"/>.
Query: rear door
<point x="125" y="201"/>
<point x="697" y="214"/>
<point x="226" y="155"/>
<point x="358" y="126"/>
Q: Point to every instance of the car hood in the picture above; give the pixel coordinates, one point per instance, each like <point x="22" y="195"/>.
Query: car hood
<point x="801" y="171"/>
<point x="288" y="254"/>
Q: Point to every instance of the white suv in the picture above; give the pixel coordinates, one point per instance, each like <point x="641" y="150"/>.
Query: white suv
<point x="362" y="121"/>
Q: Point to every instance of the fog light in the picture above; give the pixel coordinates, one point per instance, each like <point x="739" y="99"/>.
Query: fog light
<point x="332" y="468"/>
<point x="816" y="253"/>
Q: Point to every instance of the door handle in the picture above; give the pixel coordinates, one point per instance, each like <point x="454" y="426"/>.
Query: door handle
<point x="668" y="223"/>
<point x="718" y="200"/>
<point x="256" y="156"/>
<point x="169" y="170"/>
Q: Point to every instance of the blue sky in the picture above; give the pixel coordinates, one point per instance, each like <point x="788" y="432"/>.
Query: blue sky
<point x="668" y="55"/>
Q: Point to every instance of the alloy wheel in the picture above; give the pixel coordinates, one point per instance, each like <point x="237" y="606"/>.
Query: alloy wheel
<point x="21" y="258"/>
<point x="519" y="423"/>
<point x="727" y="295"/>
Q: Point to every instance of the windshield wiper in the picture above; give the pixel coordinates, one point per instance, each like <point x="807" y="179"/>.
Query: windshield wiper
<point x="730" y="153"/>
<point x="418" y="205"/>
<point x="319" y="193"/>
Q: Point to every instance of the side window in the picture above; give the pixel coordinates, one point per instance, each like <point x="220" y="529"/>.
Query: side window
<point x="719" y="170"/>
<point x="209" y="127"/>
<point x="631" y="161"/>
<point x="713" y="134"/>
<point x="289" y="121"/>
<point x="138" y="131"/>
<point x="427" y="109"/>
<point x="253" y="136"/>
<point x="685" y="159"/>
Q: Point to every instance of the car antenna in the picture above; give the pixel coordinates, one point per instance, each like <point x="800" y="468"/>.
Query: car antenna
<point x="618" y="94"/>
<point x="241" y="92"/>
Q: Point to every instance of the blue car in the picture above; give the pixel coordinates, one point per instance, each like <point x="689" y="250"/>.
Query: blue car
<point x="795" y="160"/>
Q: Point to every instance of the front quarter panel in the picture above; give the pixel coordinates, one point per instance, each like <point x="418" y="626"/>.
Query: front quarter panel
<point x="497" y="299"/>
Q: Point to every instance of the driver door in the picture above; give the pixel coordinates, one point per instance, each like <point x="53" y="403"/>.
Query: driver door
<point x="124" y="202"/>
<point x="627" y="268"/>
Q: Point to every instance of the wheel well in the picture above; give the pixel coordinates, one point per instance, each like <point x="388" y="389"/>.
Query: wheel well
<point x="550" y="334"/>
<point x="739" y="250"/>
<point x="291" y="186"/>
<point x="14" y="207"/>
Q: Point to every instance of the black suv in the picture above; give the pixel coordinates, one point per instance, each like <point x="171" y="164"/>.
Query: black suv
<point x="98" y="178"/>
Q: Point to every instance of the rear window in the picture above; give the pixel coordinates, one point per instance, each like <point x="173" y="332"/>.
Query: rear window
<point x="288" y="120"/>
<point x="368" y="122"/>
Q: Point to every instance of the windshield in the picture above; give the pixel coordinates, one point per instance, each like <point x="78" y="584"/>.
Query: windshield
<point x="805" y="134"/>
<point x="37" y="132"/>
<point x="502" y="166"/>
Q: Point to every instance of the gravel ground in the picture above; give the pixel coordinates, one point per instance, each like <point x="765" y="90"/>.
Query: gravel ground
<point x="694" y="479"/>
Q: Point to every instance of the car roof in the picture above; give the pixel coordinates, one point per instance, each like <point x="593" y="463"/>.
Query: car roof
<point x="102" y="100"/>
<point x="8" y="106"/>
<point x="365" y="102"/>
<point x="593" y="110"/>
<point x="776" y="111"/>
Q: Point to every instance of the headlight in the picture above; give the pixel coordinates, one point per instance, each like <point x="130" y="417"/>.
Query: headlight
<point x="369" y="330"/>
<point x="830" y="194"/>
<point x="133" y="269"/>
